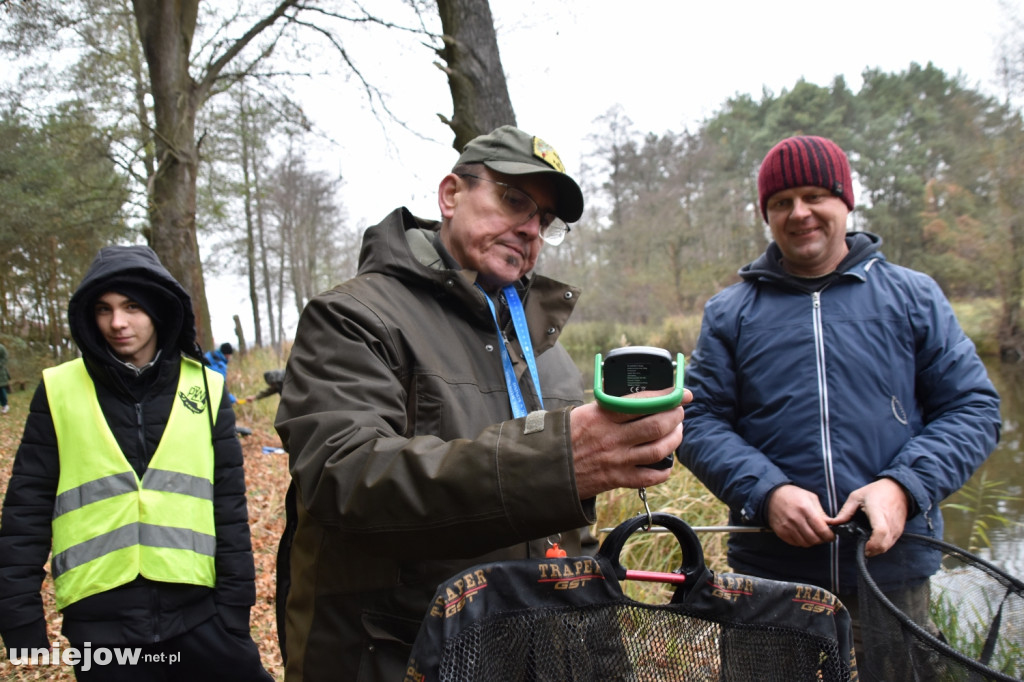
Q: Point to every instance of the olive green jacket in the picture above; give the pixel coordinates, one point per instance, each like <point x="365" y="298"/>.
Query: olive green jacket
<point x="407" y="462"/>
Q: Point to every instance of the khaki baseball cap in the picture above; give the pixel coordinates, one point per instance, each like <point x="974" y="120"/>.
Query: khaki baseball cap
<point x="510" y="151"/>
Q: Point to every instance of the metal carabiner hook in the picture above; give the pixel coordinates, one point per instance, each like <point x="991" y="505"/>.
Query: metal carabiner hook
<point x="647" y="508"/>
<point x="553" y="549"/>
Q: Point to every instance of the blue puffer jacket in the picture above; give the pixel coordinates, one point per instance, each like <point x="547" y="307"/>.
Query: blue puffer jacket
<point x="218" y="362"/>
<point x="870" y="377"/>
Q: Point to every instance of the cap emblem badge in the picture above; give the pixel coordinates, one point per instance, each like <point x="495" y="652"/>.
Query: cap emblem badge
<point x="547" y="153"/>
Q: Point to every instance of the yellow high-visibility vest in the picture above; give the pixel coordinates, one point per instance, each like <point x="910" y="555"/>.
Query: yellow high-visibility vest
<point x="108" y="526"/>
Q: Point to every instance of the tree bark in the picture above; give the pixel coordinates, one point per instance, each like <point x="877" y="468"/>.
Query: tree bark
<point x="166" y="30"/>
<point x="240" y="336"/>
<point x="275" y="340"/>
<point x="250" y="227"/>
<point x="473" y="65"/>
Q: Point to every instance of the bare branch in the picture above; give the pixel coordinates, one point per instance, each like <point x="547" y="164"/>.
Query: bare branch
<point x="373" y="94"/>
<point x="368" y="18"/>
<point x="215" y="67"/>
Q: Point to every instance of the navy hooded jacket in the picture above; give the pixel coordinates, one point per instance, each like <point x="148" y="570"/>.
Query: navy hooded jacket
<point x="870" y="376"/>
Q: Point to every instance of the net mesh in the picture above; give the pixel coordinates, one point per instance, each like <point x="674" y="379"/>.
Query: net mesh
<point x="973" y="629"/>
<point x="567" y="619"/>
<point x="633" y="642"/>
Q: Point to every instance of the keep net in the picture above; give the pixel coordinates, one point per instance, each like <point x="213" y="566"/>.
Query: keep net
<point x="973" y="630"/>
<point x="566" y="619"/>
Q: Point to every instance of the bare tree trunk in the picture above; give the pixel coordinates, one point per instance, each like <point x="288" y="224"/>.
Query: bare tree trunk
<point x="275" y="340"/>
<point x="250" y="260"/>
<point x="144" y="126"/>
<point x="52" y="298"/>
<point x="240" y="335"/>
<point x="475" y="76"/>
<point x="297" y="268"/>
<point x="250" y="228"/>
<point x="166" y="30"/>
<point x="282" y="258"/>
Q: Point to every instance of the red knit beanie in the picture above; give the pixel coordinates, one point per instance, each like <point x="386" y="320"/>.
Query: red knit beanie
<point x="802" y="161"/>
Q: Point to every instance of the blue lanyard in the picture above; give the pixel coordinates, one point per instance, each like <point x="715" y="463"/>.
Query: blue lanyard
<point x="515" y="307"/>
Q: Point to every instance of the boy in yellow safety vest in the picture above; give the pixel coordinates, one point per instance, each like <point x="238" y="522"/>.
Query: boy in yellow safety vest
<point x="129" y="478"/>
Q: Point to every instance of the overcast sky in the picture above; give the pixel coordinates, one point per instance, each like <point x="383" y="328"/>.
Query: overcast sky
<point x="667" y="63"/>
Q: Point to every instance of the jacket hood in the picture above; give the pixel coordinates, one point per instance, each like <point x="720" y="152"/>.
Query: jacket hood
<point x="408" y="248"/>
<point x="768" y="265"/>
<point x="133" y="269"/>
<point x="401" y="246"/>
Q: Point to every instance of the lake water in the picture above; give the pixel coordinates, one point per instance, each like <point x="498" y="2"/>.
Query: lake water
<point x="1003" y="475"/>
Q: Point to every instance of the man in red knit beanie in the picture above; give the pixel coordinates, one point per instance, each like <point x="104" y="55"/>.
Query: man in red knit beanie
<point x="830" y="382"/>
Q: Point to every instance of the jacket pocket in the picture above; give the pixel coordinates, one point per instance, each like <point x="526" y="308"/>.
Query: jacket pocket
<point x="386" y="627"/>
<point x="898" y="412"/>
<point x="427" y="419"/>
<point x="389" y="646"/>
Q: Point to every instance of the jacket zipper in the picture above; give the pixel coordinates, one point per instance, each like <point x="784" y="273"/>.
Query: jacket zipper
<point x="823" y="425"/>
<point x="141" y="431"/>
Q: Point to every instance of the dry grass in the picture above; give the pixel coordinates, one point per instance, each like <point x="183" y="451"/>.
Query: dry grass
<point x="267" y="480"/>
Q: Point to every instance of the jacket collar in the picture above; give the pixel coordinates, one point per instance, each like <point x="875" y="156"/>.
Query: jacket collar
<point x="864" y="251"/>
<point x="406" y="247"/>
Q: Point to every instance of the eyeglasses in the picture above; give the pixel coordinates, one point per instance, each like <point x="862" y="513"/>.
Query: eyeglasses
<point x="521" y="207"/>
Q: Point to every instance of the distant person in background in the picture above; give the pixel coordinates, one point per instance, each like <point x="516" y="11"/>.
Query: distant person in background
<point x="5" y="380"/>
<point x="274" y="379"/>
<point x="129" y="478"/>
<point x="218" y="360"/>
<point x="827" y="382"/>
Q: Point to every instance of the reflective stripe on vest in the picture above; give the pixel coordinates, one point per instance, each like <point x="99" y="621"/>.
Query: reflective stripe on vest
<point x="108" y="527"/>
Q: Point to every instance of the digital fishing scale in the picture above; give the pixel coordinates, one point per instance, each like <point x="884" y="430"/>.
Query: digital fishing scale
<point x="633" y="369"/>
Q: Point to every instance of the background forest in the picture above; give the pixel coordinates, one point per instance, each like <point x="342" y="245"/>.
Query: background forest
<point x="671" y="216"/>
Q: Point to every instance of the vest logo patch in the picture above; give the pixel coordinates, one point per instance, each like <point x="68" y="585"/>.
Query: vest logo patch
<point x="194" y="400"/>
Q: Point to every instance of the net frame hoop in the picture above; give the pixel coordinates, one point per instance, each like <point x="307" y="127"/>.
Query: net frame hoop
<point x="917" y="630"/>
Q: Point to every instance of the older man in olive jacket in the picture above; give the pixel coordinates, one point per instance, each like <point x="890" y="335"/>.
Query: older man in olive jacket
<point x="434" y="421"/>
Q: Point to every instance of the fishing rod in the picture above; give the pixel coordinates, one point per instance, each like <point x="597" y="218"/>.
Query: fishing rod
<point x="706" y="529"/>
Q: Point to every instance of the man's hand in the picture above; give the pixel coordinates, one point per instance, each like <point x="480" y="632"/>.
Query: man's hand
<point x="885" y="503"/>
<point x="797" y="517"/>
<point x="609" y="448"/>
